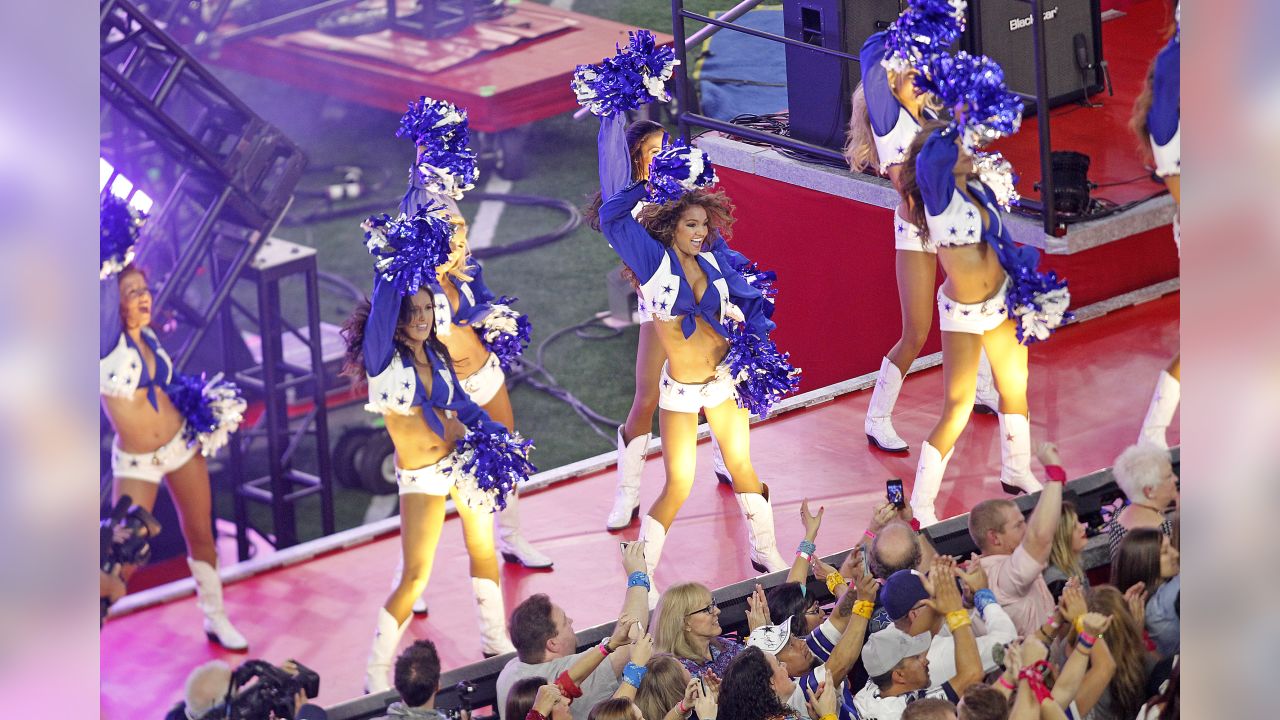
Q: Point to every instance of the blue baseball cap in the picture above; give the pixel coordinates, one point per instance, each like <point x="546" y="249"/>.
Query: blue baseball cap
<point x="901" y="592"/>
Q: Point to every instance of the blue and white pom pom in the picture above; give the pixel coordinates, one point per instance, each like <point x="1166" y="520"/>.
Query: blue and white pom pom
<point x="679" y="169"/>
<point x="492" y="463"/>
<point x="761" y="374"/>
<point x="213" y="410"/>
<point x="1037" y="301"/>
<point x="635" y="76"/>
<point x="505" y="332"/>
<point x="446" y="163"/>
<point x="761" y="280"/>
<point x="411" y="248"/>
<point x="973" y="91"/>
<point x="924" y="29"/>
<point x="997" y="174"/>
<point x="120" y="224"/>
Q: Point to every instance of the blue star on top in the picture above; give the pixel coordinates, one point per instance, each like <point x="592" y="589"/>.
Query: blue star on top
<point x="951" y="230"/>
<point x="400" y="400"/>
<point x="679" y="391"/>
<point x="969" y="232"/>
<point x="667" y="289"/>
<point x="406" y="384"/>
<point x="386" y="396"/>
<point x="663" y="304"/>
<point x="969" y="213"/>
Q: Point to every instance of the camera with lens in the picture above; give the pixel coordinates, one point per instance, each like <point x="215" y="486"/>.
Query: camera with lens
<point x="274" y="692"/>
<point x="125" y="539"/>
<point x="465" y="691"/>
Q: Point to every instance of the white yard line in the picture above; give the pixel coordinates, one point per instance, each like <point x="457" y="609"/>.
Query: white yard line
<point x="481" y="232"/>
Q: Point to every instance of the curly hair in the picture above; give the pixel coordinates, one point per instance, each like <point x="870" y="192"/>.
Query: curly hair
<point x="746" y="691"/>
<point x="637" y="133"/>
<point x="353" y="334"/>
<point x="661" y="220"/>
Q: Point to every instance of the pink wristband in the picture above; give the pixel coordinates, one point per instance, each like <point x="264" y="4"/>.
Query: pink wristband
<point x="870" y="535"/>
<point x="1055" y="473"/>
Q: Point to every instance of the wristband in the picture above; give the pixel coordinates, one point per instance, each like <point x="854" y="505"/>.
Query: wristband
<point x="603" y="647"/>
<point x="864" y="608"/>
<point x="807" y="557"/>
<point x="806" y="548"/>
<point x="870" y="535"/>
<point x="835" y="580"/>
<point x="957" y="619"/>
<point x="983" y="598"/>
<point x="915" y="524"/>
<point x="638" y="578"/>
<point x="1036" y="683"/>
<point x="1079" y="624"/>
<point x="680" y="706"/>
<point x="1004" y="683"/>
<point x="633" y="674"/>
<point x="1055" y="473"/>
<point x="829" y="716"/>
<point x="1086" y="640"/>
<point x="568" y="687"/>
<point x="535" y="715"/>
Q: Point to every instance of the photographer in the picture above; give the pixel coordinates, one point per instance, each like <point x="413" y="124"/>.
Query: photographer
<point x="206" y="689"/>
<point x="124" y="544"/>
<point x="417" y="678"/>
<point x="214" y="691"/>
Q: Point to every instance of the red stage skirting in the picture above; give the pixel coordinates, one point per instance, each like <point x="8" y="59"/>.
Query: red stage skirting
<point x="837" y="309"/>
<point x="1089" y="390"/>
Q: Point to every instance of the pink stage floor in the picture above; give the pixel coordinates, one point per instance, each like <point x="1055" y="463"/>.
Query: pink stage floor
<point x="1090" y="388"/>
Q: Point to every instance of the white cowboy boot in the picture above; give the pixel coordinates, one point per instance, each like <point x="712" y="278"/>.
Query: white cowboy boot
<point x="511" y="543"/>
<point x="765" y="557"/>
<point x="492" y="616"/>
<point x="209" y="597"/>
<point x="386" y="637"/>
<point x="1164" y="401"/>
<point x="653" y="535"/>
<point x="879" y="423"/>
<point x="1015" y="455"/>
<point x="924" y="491"/>
<point x="717" y="462"/>
<point x="626" y="501"/>
<point x="986" y="400"/>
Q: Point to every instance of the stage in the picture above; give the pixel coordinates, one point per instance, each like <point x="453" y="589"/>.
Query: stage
<point x="1090" y="385"/>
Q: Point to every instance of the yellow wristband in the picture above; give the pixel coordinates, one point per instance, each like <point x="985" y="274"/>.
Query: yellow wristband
<point x="835" y="580"/>
<point x="957" y="619"/>
<point x="864" y="608"/>
<point x="1079" y="624"/>
<point x="829" y="716"/>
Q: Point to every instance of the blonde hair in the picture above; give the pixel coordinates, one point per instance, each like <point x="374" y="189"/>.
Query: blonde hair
<point x="1062" y="555"/>
<point x="662" y="686"/>
<point x="207" y="686"/>
<point x="860" y="143"/>
<point x="460" y="259"/>
<point x="673" y="609"/>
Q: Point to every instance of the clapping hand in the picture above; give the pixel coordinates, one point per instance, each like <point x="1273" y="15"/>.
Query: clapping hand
<point x="758" y="608"/>
<point x="822" y="703"/>
<point x="973" y="574"/>
<point x="1136" y="598"/>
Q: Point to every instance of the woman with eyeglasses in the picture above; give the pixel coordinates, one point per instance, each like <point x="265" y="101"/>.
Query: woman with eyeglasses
<point x="686" y="625"/>
<point x="147" y="402"/>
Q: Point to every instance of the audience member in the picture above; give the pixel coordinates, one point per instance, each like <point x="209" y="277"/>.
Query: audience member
<point x="205" y="689"/>
<point x="1165" y="705"/>
<point x="756" y="687"/>
<point x="1146" y="568"/>
<point x="615" y="709"/>
<point x="687" y="625"/>
<point x="1066" y="553"/>
<point x="663" y="686"/>
<point x="416" y="679"/>
<point x="1145" y="475"/>
<point x="1124" y="695"/>
<point x="982" y="702"/>
<point x="931" y="709"/>
<point x="1015" y="551"/>
<point x="546" y="644"/>
<point x="534" y="699"/>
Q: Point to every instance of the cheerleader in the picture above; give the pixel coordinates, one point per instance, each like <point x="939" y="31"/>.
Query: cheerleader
<point x="886" y="115"/>
<point x="1157" y="120"/>
<point x="165" y="423"/>
<point x="489" y="335"/>
<point x="993" y="298"/>
<point x="445" y="444"/>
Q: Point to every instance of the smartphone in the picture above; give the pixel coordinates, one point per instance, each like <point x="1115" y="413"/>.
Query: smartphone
<point x="893" y="491"/>
<point x="624" y="545"/>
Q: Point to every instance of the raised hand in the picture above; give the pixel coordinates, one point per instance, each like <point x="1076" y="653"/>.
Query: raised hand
<point x="758" y="608"/>
<point x="633" y="557"/>
<point x="945" y="593"/>
<point x="622" y="632"/>
<point x="972" y="574"/>
<point x="1136" y="598"/>
<point x="1096" y="623"/>
<point x="1072" y="603"/>
<point x="1047" y="453"/>
<point x="811" y="522"/>
<point x="643" y="650"/>
<point x="823" y="702"/>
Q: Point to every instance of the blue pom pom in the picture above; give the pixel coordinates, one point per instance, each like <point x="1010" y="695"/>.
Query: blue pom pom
<point x="120" y="224"/>
<point x="493" y="463"/>
<point x="446" y="163"/>
<point x="635" y="76"/>
<point x="762" y="280"/>
<point x="213" y="410"/>
<point x="505" y="332"/>
<point x="1037" y="302"/>
<point x="411" y="248"/>
<point x="761" y="374"/>
<point x="924" y="29"/>
<point x="679" y="169"/>
<point x="972" y="88"/>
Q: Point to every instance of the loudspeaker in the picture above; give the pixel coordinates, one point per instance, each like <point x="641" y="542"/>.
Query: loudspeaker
<point x="1001" y="30"/>
<point x="818" y="85"/>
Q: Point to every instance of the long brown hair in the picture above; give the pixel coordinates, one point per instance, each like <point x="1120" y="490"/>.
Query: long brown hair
<point x="1137" y="559"/>
<point x="662" y="687"/>
<point x="1124" y="639"/>
<point x="353" y="333"/>
<point x="661" y="220"/>
<point x="909" y="185"/>
<point x="1138" y="119"/>
<point x="637" y="132"/>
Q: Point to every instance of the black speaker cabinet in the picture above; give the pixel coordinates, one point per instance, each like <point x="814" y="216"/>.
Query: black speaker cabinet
<point x="1001" y="30"/>
<point x="818" y="85"/>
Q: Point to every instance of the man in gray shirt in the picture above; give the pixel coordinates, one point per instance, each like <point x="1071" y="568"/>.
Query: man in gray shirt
<point x="547" y="646"/>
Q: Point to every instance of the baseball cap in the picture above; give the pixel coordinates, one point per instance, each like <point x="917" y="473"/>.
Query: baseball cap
<point x="901" y="592"/>
<point x="890" y="646"/>
<point x="771" y="638"/>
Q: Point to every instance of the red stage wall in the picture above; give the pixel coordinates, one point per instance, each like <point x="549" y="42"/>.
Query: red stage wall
<point x="837" y="309"/>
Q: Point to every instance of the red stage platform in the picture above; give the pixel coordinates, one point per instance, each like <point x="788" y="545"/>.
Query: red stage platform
<point x="1090" y="387"/>
<point x="506" y="73"/>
